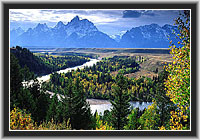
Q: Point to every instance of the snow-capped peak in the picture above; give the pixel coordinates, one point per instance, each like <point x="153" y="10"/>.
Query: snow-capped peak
<point x="80" y="27"/>
<point x="118" y="36"/>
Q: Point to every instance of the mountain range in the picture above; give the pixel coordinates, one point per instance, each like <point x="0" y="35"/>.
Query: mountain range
<point x="84" y="34"/>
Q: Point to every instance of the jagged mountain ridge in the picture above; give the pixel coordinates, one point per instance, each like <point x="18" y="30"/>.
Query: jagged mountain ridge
<point x="149" y="36"/>
<point x="76" y="33"/>
<point x="84" y="34"/>
<point x="15" y="33"/>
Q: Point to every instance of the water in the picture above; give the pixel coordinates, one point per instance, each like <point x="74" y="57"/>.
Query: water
<point x="101" y="105"/>
<point x="89" y="64"/>
<point x="47" y="77"/>
<point x="95" y="104"/>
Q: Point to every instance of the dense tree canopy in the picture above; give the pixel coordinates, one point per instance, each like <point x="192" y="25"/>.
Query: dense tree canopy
<point x="44" y="64"/>
<point x="98" y="80"/>
<point x="67" y="108"/>
<point x="178" y="82"/>
<point x="121" y="105"/>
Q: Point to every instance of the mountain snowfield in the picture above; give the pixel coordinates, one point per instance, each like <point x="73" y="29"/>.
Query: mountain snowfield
<point x="84" y="34"/>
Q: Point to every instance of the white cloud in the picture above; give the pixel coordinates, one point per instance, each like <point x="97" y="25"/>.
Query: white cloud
<point x="108" y="21"/>
<point x="36" y="15"/>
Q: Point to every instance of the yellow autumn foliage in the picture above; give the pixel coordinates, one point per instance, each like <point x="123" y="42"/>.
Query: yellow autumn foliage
<point x="178" y="82"/>
<point x="20" y="120"/>
<point x="100" y="125"/>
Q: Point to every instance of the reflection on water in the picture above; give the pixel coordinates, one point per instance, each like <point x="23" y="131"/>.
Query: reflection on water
<point x="88" y="64"/>
<point x="47" y="77"/>
<point x="102" y="107"/>
<point x="95" y="104"/>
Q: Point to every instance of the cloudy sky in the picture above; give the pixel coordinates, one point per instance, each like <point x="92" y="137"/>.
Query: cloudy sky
<point x="108" y="21"/>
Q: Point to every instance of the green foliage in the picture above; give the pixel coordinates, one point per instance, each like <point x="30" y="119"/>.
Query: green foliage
<point x="79" y="110"/>
<point x="120" y="104"/>
<point x="133" y="120"/>
<point x="73" y="112"/>
<point x="107" y="117"/>
<point x="56" y="63"/>
<point x="31" y="98"/>
<point x="53" y="109"/>
<point x="97" y="80"/>
<point x="20" y="120"/>
<point x="27" y="75"/>
<point x="39" y="100"/>
<point x="15" y="81"/>
<point x="64" y="53"/>
<point x="26" y="58"/>
<point x="165" y="106"/>
<point x="178" y="82"/>
<point x="52" y="125"/>
<point x="150" y="119"/>
<point x="44" y="64"/>
<point x="102" y="125"/>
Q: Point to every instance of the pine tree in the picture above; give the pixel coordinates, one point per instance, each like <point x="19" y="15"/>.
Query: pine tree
<point x="133" y="118"/>
<point x="51" y="113"/>
<point x="27" y="101"/>
<point x="32" y="98"/>
<point x="79" y="110"/>
<point x="15" y="81"/>
<point x="41" y="100"/>
<point x="60" y="112"/>
<point x="121" y="103"/>
<point x="68" y="100"/>
<point x="165" y="106"/>
<point x="150" y="118"/>
<point x="27" y="75"/>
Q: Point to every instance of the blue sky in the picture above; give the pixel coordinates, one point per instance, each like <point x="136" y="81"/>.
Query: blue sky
<point x="108" y="21"/>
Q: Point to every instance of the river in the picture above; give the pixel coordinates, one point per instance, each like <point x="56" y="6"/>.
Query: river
<point x="89" y="64"/>
<point x="47" y="77"/>
<point x="102" y="105"/>
<point x="95" y="104"/>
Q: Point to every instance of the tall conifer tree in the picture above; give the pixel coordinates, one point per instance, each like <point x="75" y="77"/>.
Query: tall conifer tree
<point x="79" y="109"/>
<point x="15" y="80"/>
<point x="51" y="113"/>
<point x="121" y="105"/>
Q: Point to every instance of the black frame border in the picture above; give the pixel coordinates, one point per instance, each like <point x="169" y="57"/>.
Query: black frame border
<point x="5" y="39"/>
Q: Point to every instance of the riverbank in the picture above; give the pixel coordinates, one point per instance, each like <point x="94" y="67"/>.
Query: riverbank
<point x="45" y="78"/>
<point x="100" y="105"/>
<point x="97" y="101"/>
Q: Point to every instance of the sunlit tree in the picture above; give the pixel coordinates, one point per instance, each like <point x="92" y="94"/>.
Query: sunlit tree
<point x="150" y="119"/>
<point x="178" y="82"/>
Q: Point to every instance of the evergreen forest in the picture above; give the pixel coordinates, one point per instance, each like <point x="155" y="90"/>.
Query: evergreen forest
<point x="33" y="108"/>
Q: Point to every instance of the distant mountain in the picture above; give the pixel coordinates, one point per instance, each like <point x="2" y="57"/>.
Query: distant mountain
<point x="84" y="34"/>
<point x="148" y="36"/>
<point x="76" y="33"/>
<point x="15" y="33"/>
<point x="118" y="36"/>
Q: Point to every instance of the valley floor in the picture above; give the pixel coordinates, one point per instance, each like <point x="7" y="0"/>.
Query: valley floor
<point x="155" y="58"/>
